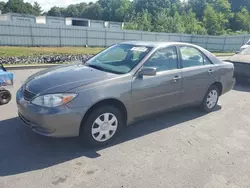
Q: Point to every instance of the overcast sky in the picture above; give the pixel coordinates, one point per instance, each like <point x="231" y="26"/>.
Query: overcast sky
<point x="47" y="4"/>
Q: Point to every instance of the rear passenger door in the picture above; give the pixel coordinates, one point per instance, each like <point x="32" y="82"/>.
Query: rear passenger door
<point x="197" y="73"/>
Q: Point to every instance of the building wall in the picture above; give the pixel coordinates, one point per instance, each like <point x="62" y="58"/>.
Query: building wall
<point x="96" y="24"/>
<point x="22" y="34"/>
<point x="23" y="19"/>
<point x="55" y="21"/>
<point x="4" y="17"/>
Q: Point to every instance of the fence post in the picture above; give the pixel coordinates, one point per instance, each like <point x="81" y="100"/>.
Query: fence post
<point x="141" y="36"/>
<point x="105" y="36"/>
<point x="223" y="47"/>
<point x="60" y="36"/>
<point x="207" y="41"/>
<point x="244" y="39"/>
<point x="124" y="35"/>
<point x="156" y="38"/>
<point x="191" y="39"/>
<point x="87" y="37"/>
<point x="31" y="35"/>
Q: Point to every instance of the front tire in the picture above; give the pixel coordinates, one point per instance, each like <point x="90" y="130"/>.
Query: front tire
<point x="101" y="127"/>
<point x="211" y="99"/>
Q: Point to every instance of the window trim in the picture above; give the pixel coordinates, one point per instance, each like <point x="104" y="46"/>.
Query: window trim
<point x="203" y="55"/>
<point x="161" y="48"/>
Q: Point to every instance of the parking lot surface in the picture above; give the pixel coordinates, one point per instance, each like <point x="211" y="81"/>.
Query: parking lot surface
<point x="185" y="148"/>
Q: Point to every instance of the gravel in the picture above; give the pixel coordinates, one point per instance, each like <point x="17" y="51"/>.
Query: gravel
<point x="44" y="59"/>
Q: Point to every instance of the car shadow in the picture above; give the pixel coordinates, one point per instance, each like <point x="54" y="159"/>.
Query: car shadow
<point x="21" y="150"/>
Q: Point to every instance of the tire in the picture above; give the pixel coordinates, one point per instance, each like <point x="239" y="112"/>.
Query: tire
<point x="101" y="127"/>
<point x="5" y="97"/>
<point x="209" y="105"/>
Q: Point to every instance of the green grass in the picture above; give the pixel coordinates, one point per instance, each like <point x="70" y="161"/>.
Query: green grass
<point x="223" y="53"/>
<point x="7" y="51"/>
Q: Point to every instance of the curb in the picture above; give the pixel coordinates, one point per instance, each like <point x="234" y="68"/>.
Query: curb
<point x="22" y="67"/>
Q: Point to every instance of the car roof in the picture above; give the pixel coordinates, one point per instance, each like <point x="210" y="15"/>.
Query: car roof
<point x="155" y="44"/>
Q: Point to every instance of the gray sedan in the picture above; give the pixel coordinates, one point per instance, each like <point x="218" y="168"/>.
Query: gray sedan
<point x="123" y="83"/>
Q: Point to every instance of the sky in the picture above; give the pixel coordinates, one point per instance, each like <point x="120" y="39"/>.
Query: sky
<point x="47" y="4"/>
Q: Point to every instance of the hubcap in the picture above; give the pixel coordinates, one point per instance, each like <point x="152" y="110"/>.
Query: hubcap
<point x="212" y="99"/>
<point x="104" y="127"/>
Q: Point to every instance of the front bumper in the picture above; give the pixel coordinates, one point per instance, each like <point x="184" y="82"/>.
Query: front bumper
<point x="53" y="122"/>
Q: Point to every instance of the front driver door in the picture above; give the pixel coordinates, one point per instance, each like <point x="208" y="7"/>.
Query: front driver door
<point x="160" y="92"/>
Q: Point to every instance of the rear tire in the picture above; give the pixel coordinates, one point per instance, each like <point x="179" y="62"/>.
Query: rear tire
<point x="101" y="127"/>
<point x="5" y="97"/>
<point x="211" y="99"/>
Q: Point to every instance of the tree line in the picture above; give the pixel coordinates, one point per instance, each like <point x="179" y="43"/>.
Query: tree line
<point x="213" y="17"/>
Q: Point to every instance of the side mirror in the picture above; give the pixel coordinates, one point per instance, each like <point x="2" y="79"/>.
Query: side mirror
<point x="237" y="52"/>
<point x="148" y="71"/>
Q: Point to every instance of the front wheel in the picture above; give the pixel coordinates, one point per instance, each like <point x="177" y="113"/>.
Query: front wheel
<point x="211" y="99"/>
<point x="102" y="126"/>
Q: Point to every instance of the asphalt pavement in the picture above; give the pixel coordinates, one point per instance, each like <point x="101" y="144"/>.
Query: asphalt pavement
<point x="182" y="149"/>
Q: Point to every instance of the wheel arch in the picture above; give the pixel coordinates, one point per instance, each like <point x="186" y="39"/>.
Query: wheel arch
<point x="111" y="102"/>
<point x="219" y="85"/>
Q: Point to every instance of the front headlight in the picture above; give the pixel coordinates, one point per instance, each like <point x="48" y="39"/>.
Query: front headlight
<point x="54" y="100"/>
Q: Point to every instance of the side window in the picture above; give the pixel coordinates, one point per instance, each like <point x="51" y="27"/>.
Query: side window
<point x="163" y="59"/>
<point x="192" y="57"/>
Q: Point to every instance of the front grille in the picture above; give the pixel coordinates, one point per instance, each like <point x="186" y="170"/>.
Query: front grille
<point x="28" y="96"/>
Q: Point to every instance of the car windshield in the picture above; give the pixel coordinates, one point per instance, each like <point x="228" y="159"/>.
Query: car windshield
<point x="119" y="59"/>
<point x="248" y="43"/>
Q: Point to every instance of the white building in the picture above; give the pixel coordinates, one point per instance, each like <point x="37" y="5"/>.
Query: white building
<point x="18" y="18"/>
<point x="50" y="20"/>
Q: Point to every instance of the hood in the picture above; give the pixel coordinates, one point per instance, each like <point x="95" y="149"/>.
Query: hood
<point x="240" y="58"/>
<point x="64" y="78"/>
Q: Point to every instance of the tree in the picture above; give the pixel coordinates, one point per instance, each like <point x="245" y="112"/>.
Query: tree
<point x="140" y="21"/>
<point x="2" y="4"/>
<point x="238" y="4"/>
<point x="154" y="6"/>
<point x="242" y="20"/>
<point x="37" y="9"/>
<point x="18" y="6"/>
<point x="94" y="11"/>
<point x="56" y="11"/>
<point x="72" y="11"/>
<point x="165" y="22"/>
<point x="213" y="21"/>
<point x="123" y="9"/>
<point x="198" y="6"/>
<point x="115" y="10"/>
<point x="192" y="25"/>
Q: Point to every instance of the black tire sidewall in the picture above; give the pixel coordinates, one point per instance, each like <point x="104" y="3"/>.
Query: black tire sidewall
<point x="204" y="102"/>
<point x="4" y="92"/>
<point x="85" y="132"/>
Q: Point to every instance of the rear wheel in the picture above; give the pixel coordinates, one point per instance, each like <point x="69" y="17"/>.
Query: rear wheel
<point x="211" y="99"/>
<point x="101" y="127"/>
<point x="5" y="97"/>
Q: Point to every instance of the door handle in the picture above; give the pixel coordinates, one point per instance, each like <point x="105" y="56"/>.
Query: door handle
<point x="176" y="79"/>
<point x="210" y="71"/>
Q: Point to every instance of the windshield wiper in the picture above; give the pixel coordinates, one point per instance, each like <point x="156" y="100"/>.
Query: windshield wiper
<point x="103" y="69"/>
<point x="96" y="67"/>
